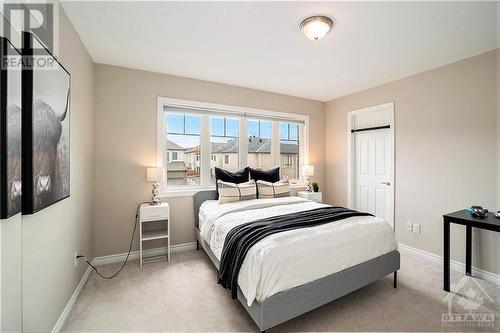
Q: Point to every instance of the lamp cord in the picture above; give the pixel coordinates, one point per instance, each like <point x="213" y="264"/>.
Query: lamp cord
<point x="129" y="248"/>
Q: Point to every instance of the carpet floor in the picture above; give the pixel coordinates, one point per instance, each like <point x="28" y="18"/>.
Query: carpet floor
<point x="184" y="296"/>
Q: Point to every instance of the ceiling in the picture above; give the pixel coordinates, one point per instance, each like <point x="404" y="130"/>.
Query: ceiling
<point x="258" y="44"/>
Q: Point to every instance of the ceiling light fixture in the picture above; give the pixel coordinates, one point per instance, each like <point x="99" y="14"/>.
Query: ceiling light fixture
<point x="316" y="27"/>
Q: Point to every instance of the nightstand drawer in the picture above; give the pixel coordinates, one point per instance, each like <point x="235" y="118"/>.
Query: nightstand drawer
<point x="314" y="196"/>
<point x="153" y="213"/>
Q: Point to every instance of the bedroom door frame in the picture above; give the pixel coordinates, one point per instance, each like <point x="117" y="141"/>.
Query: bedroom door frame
<point x="351" y="165"/>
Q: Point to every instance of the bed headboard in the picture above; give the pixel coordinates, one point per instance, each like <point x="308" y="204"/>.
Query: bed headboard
<point x="199" y="198"/>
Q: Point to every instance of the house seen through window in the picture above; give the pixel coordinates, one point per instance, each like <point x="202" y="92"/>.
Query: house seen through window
<point x="183" y="146"/>
<point x="224" y="134"/>
<point x="289" y="150"/>
<point x="259" y="144"/>
<point x="183" y="153"/>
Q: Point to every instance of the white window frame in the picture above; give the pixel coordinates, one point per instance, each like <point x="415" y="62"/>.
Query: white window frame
<point x="207" y="109"/>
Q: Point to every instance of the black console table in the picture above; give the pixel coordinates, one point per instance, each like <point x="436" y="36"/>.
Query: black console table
<point x="463" y="218"/>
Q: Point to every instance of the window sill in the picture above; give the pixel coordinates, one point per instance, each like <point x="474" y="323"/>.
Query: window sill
<point x="183" y="192"/>
<point x="297" y="186"/>
<point x="190" y="191"/>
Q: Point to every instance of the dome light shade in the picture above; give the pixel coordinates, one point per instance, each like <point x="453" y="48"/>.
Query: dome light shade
<point x="316" y="27"/>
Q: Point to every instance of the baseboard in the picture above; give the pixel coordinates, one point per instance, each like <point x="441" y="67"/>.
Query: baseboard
<point x="454" y="265"/>
<point x="134" y="255"/>
<point x="71" y="302"/>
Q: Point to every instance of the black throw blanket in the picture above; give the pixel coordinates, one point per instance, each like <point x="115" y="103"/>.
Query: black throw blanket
<point x="242" y="237"/>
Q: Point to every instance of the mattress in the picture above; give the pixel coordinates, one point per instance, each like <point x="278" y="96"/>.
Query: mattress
<point x="206" y="207"/>
<point x="289" y="259"/>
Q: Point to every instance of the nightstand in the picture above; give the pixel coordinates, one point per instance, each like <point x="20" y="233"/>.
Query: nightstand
<point x="154" y="223"/>
<point x="313" y="196"/>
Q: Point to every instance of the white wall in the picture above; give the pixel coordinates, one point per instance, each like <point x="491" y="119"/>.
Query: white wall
<point x="11" y="274"/>
<point x="126" y="103"/>
<point x="11" y="257"/>
<point x="498" y="116"/>
<point x="51" y="236"/>
<point x="446" y="151"/>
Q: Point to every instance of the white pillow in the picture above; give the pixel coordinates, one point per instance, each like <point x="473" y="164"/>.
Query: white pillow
<point x="231" y="192"/>
<point x="269" y="190"/>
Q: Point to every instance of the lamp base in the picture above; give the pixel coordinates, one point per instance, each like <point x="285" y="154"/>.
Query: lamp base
<point x="308" y="184"/>
<point x="155" y="200"/>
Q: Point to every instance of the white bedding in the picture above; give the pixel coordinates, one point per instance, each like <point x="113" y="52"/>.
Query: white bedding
<point x="292" y="258"/>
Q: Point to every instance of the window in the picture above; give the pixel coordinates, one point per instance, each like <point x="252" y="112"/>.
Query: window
<point x="183" y="144"/>
<point x="224" y="134"/>
<point x="289" y="150"/>
<point x="259" y="144"/>
<point x="195" y="137"/>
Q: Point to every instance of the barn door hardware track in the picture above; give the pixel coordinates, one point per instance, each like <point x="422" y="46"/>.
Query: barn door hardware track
<point x="370" y="128"/>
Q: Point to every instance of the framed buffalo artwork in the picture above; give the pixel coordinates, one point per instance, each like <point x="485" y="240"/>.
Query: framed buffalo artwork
<point x="10" y="130"/>
<point x="46" y="127"/>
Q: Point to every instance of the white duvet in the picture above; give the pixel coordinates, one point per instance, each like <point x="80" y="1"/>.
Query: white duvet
<point x="292" y="258"/>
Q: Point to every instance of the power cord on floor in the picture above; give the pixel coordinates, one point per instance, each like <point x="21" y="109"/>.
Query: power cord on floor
<point x="129" y="249"/>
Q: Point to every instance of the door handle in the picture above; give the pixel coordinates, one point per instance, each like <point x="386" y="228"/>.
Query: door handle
<point x="386" y="183"/>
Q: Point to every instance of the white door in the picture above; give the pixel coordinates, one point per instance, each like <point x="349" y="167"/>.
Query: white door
<point x="373" y="173"/>
<point x="370" y="169"/>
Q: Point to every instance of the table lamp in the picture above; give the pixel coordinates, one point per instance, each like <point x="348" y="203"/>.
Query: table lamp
<point x="308" y="171"/>
<point x="154" y="175"/>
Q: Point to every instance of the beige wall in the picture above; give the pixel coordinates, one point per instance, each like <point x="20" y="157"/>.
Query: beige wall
<point x="125" y="143"/>
<point x="446" y="139"/>
<point x="11" y="274"/>
<point x="51" y="236"/>
<point x="11" y="256"/>
<point x="498" y="118"/>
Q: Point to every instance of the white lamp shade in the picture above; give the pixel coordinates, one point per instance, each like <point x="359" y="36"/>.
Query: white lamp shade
<point x="308" y="170"/>
<point x="154" y="175"/>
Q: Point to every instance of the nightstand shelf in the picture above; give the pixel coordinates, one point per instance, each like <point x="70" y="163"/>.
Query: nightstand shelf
<point x="147" y="215"/>
<point x="156" y="234"/>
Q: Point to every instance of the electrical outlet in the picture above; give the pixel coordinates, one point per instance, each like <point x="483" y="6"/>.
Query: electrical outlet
<point x="417" y="228"/>
<point x="75" y="259"/>
<point x="409" y="226"/>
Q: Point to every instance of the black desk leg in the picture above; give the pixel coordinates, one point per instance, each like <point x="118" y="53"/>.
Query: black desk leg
<point x="468" y="249"/>
<point x="446" y="255"/>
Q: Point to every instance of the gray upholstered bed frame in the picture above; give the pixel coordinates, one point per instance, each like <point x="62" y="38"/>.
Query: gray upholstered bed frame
<point x="292" y="303"/>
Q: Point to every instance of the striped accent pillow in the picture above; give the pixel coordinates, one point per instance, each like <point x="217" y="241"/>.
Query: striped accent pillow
<point x="273" y="190"/>
<point x="231" y="192"/>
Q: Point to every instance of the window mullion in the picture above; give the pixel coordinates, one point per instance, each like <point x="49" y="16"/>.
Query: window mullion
<point x="205" y="151"/>
<point x="275" y="144"/>
<point x="163" y="156"/>
<point x="243" y="143"/>
<point x="303" y="151"/>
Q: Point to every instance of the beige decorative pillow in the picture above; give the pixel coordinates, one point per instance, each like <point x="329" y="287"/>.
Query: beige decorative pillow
<point x="231" y="192"/>
<point x="273" y="190"/>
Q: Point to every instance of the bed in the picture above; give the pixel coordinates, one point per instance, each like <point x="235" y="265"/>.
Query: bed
<point x="290" y="273"/>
